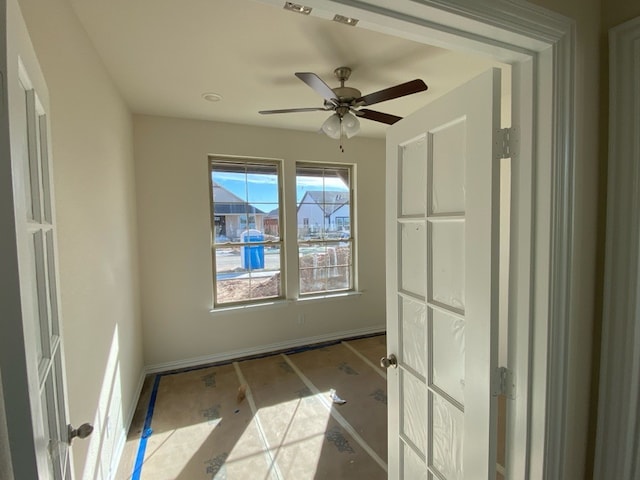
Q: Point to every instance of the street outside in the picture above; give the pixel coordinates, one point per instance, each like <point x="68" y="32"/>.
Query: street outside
<point x="229" y="263"/>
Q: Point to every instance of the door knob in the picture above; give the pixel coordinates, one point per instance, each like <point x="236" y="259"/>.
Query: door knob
<point x="390" y="361"/>
<point x="83" y="431"/>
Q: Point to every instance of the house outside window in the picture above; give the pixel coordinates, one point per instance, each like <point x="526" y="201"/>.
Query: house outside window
<point x="343" y="223"/>
<point x="249" y="239"/>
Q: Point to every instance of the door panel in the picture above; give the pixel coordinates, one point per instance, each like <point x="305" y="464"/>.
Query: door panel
<point x="446" y="347"/>
<point x="446" y="165"/>
<point x="446" y="423"/>
<point x="446" y="263"/>
<point x="413" y="177"/>
<point x="442" y="211"/>
<point x="413" y="318"/>
<point x="413" y="254"/>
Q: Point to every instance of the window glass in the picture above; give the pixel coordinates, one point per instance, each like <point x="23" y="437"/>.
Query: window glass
<point x="246" y="243"/>
<point x="325" y="243"/>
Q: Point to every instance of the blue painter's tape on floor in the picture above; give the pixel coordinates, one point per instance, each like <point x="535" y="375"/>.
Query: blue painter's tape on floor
<point x="146" y="431"/>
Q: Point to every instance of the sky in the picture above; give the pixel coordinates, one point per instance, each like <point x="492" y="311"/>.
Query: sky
<point x="262" y="189"/>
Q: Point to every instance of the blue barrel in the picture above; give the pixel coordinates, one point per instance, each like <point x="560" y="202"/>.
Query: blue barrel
<point x="252" y="257"/>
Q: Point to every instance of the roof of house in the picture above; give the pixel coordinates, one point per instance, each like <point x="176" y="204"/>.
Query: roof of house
<point x="275" y="213"/>
<point x="228" y="203"/>
<point x="328" y="201"/>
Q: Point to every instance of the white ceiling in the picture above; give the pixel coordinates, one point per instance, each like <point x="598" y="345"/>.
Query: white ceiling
<point x="164" y="54"/>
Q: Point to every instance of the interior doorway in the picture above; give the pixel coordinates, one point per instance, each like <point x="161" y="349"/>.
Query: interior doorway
<point x="549" y="67"/>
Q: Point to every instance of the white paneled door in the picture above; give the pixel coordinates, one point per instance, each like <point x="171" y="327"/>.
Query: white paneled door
<point x="32" y="180"/>
<point x="442" y="289"/>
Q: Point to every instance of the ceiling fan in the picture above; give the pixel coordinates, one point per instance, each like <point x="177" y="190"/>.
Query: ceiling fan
<point x="346" y="103"/>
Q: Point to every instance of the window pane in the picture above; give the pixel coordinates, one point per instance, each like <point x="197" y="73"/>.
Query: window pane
<point x="243" y="195"/>
<point x="325" y="266"/>
<point x="324" y="210"/>
<point x="247" y="273"/>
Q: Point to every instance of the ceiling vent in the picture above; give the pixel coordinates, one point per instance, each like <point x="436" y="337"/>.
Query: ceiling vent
<point x="294" y="7"/>
<point x="346" y="20"/>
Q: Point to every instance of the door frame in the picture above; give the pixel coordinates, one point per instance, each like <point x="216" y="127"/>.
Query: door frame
<point x="540" y="46"/>
<point x="618" y="432"/>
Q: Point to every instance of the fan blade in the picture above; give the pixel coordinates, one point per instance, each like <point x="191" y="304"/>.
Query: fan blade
<point x="408" y="88"/>
<point x="292" y="110"/>
<point x="315" y="82"/>
<point x="377" y="116"/>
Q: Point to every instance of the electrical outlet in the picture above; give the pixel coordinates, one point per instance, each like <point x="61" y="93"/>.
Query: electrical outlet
<point x="301" y="319"/>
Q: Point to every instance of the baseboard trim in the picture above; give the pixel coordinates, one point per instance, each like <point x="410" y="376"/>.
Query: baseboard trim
<point x="117" y="454"/>
<point x="261" y="350"/>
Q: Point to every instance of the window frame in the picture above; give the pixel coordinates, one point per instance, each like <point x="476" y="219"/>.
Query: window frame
<point x="351" y="240"/>
<point x="237" y="160"/>
<point x="290" y="272"/>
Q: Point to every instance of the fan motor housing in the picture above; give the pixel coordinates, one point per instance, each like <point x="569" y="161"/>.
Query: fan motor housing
<point x="346" y="94"/>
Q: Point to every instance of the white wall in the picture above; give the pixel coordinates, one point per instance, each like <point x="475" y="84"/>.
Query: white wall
<point x="92" y="153"/>
<point x="174" y="231"/>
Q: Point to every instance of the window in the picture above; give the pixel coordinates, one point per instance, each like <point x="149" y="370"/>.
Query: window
<point x="247" y="257"/>
<point x="325" y="243"/>
<point x="249" y="240"/>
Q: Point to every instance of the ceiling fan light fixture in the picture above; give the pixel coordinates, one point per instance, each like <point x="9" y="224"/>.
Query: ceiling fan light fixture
<point x="350" y="124"/>
<point x="332" y="126"/>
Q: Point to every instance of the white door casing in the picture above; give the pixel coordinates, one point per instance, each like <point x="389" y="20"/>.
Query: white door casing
<point x="39" y="342"/>
<point x="442" y="284"/>
<point x="618" y="435"/>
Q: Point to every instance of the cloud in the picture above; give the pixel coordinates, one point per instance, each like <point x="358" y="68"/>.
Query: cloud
<point x="261" y="188"/>
<point x="329" y="183"/>
<point x="222" y="177"/>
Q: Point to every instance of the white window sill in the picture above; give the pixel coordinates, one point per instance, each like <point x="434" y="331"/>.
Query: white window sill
<point x="282" y="302"/>
<point x="328" y="296"/>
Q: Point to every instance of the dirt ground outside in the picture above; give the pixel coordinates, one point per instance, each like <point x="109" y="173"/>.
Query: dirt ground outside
<point x="319" y="272"/>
